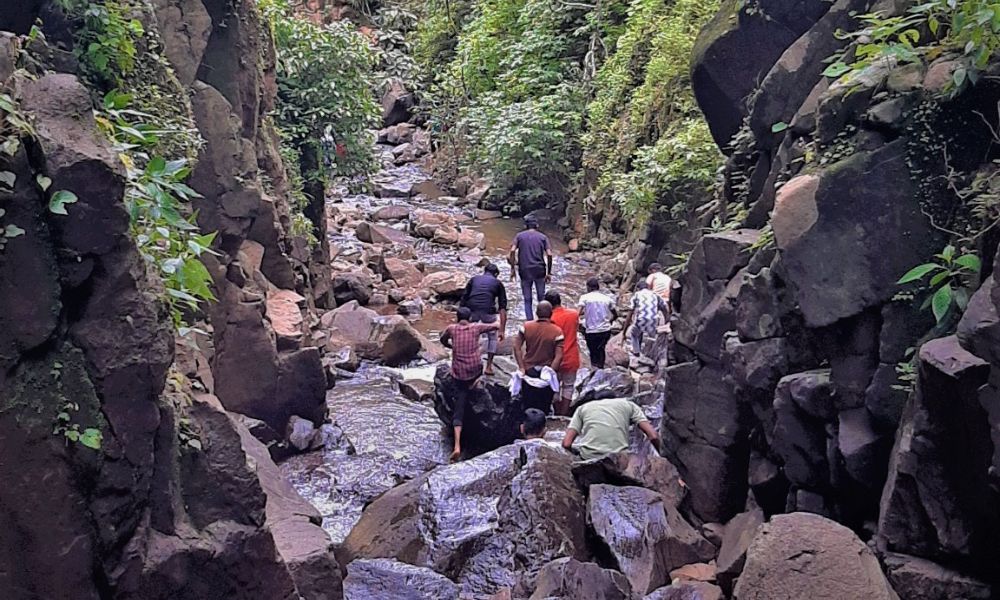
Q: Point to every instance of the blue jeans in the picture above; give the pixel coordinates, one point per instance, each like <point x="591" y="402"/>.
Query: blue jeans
<point x="526" y="284"/>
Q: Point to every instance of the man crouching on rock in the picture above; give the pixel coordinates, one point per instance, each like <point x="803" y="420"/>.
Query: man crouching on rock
<point x="603" y="427"/>
<point x="466" y="365"/>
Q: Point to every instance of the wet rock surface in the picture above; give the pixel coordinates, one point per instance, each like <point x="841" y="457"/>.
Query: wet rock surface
<point x="393" y="580"/>
<point x="645" y="538"/>
<point x="489" y="523"/>
<point x="492" y="416"/>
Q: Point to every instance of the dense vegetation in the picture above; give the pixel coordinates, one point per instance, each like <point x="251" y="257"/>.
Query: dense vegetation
<point x="529" y="92"/>
<point x="326" y="107"/>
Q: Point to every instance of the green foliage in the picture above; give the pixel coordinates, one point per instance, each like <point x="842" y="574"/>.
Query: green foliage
<point x="969" y="27"/>
<point x="106" y="41"/>
<point x="89" y="437"/>
<point x="324" y="87"/>
<point x="157" y="200"/>
<point x="508" y="104"/>
<point x="950" y="278"/>
<point x="645" y="136"/>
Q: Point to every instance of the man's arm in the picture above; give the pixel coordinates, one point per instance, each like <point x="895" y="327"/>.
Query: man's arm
<point x="503" y="323"/>
<point x="567" y="442"/>
<point x="559" y="356"/>
<point x="446" y="338"/>
<point x="548" y="260"/>
<point x="664" y="308"/>
<point x="651" y="434"/>
<point x="512" y="259"/>
<point x="614" y="311"/>
<point x="519" y="351"/>
<point x="466" y="294"/>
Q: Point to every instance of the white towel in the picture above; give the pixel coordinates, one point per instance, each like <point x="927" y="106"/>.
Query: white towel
<point x="548" y="378"/>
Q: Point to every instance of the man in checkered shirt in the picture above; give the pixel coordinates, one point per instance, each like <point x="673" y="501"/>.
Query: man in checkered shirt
<point x="466" y="365"/>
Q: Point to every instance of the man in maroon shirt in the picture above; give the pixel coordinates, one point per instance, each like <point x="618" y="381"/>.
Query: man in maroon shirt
<point x="466" y="365"/>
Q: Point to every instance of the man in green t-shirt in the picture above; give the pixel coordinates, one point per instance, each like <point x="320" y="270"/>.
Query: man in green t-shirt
<point x="603" y="427"/>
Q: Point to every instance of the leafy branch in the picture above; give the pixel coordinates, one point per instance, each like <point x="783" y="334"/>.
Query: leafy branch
<point x="950" y="279"/>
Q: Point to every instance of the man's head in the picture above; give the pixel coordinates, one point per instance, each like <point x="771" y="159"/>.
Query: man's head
<point x="553" y="298"/>
<point x="655" y="268"/>
<point x="531" y="222"/>
<point x="464" y="314"/>
<point x="534" y="424"/>
<point x="593" y="284"/>
<point x="642" y="285"/>
<point x="544" y="310"/>
<point x="492" y="269"/>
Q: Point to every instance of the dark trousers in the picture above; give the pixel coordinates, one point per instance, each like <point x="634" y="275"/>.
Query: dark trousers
<point x="463" y="390"/>
<point x="526" y="284"/>
<point x="596" y="345"/>
<point x="532" y="397"/>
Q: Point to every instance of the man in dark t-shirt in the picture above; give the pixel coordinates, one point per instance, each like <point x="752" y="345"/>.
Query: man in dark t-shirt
<point x="486" y="298"/>
<point x="531" y="258"/>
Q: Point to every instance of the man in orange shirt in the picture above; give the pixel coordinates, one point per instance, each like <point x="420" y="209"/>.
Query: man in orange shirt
<point x="569" y="321"/>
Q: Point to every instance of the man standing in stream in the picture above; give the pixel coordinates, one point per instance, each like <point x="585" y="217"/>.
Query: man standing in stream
<point x="531" y="258"/>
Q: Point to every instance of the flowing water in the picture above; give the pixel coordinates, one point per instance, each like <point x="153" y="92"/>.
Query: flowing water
<point x="393" y="439"/>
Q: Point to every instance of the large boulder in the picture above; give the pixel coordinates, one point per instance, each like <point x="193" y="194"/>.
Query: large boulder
<point x="687" y="590"/>
<point x="379" y="234"/>
<point x="570" y="579"/>
<point x="396" y="104"/>
<point x="645" y="537"/>
<point x="356" y="286"/>
<point x="388" y="579"/>
<point x="735" y="51"/>
<point x="492" y="416"/>
<point x="401" y="271"/>
<point x="802" y="555"/>
<point x="810" y="226"/>
<point x="926" y="509"/>
<point x="488" y="523"/>
<point x="705" y="433"/>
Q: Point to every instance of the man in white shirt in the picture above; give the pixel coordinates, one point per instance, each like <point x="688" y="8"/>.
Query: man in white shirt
<point x="598" y="312"/>
<point x="659" y="282"/>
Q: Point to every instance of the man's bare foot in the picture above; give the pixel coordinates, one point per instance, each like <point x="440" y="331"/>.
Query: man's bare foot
<point x="489" y="372"/>
<point x="455" y="455"/>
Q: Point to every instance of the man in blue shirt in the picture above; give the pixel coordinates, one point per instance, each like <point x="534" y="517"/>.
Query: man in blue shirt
<point x="531" y="258"/>
<point x="486" y="298"/>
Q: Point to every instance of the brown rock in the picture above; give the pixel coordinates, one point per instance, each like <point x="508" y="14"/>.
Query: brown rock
<point x="570" y="579"/>
<point x="285" y="315"/>
<point x="393" y="212"/>
<point x="445" y="284"/>
<point x="802" y="555"/>
<point x="736" y="539"/>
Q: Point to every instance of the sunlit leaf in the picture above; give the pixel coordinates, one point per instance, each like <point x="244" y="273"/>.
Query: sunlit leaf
<point x="59" y="200"/>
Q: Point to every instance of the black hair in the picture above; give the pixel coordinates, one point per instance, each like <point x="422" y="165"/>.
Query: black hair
<point x="534" y="422"/>
<point x="492" y="269"/>
<point x="553" y="298"/>
<point x="593" y="284"/>
<point x="464" y="314"/>
<point x="642" y="285"/>
<point x="655" y="268"/>
<point x="531" y="222"/>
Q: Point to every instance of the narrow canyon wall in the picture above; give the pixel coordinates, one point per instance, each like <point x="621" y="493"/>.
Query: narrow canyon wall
<point x="787" y="394"/>
<point x="125" y="475"/>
